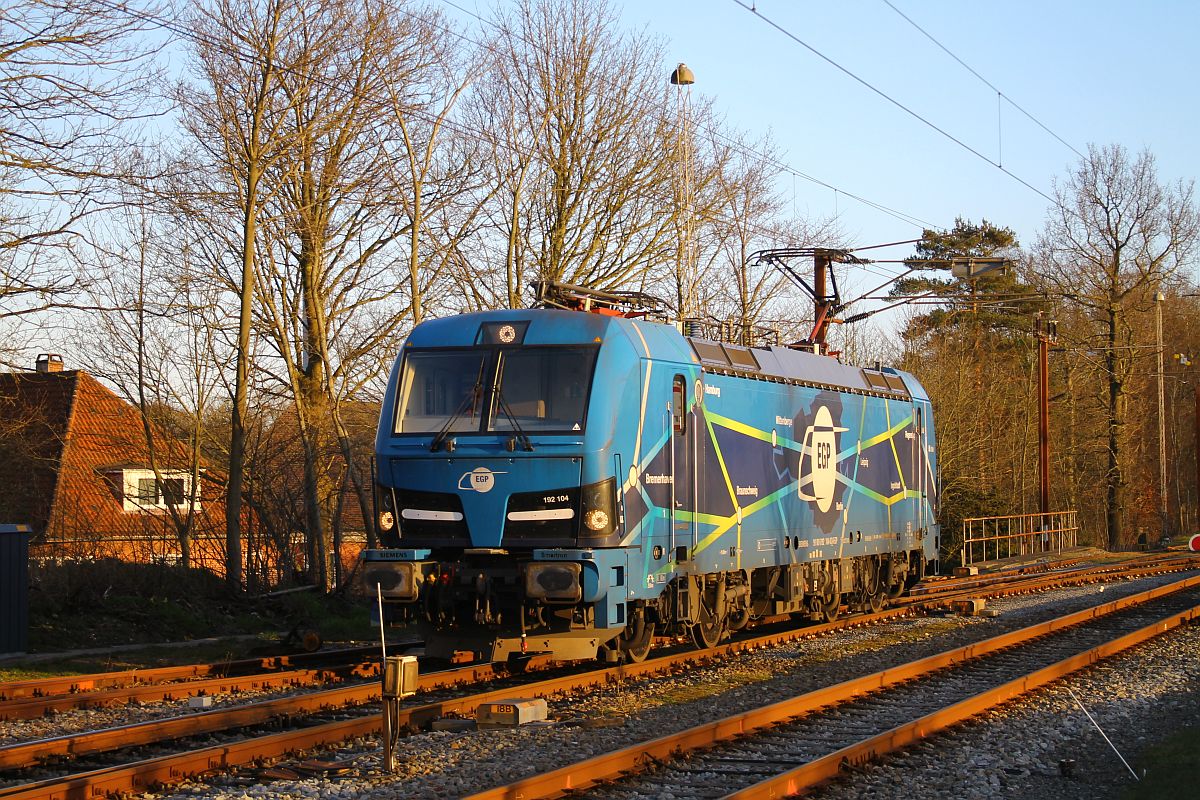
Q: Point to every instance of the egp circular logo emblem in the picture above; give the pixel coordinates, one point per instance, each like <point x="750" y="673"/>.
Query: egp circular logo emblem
<point x="507" y="334"/>
<point x="480" y="479"/>
<point x="820" y="447"/>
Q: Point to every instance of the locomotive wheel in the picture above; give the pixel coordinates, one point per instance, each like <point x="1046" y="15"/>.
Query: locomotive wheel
<point x="877" y="601"/>
<point x="634" y="642"/>
<point x="739" y="619"/>
<point x="707" y="634"/>
<point x="636" y="650"/>
<point x="875" y="589"/>
<point x="896" y="589"/>
<point x="832" y="608"/>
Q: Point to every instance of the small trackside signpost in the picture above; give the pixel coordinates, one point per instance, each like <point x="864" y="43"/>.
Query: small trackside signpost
<point x="1194" y="543"/>
<point x="399" y="681"/>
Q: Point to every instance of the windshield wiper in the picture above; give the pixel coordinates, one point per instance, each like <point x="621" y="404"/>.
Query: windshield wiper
<point x="468" y="402"/>
<point x="520" y="436"/>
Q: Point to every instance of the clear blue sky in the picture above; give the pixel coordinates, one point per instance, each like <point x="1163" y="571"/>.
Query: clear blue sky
<point x="1093" y="72"/>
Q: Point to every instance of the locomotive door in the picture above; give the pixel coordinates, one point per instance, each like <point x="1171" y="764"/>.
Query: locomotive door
<point x="683" y="472"/>
<point x="920" y="473"/>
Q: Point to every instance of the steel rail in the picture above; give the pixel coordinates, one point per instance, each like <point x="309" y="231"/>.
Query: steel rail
<point x="25" y="754"/>
<point x="981" y="582"/>
<point x="829" y="766"/>
<point x="140" y="776"/>
<point x="168" y="769"/>
<point x="143" y="775"/>
<point x="1041" y="582"/>
<point x="635" y="758"/>
<point x="33" y="707"/>
<point x="74" y="684"/>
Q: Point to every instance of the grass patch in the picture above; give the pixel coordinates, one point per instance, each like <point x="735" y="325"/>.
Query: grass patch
<point x="1171" y="767"/>
<point x="107" y="604"/>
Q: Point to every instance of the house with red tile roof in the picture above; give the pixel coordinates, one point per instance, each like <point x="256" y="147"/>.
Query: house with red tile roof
<point x="75" y="465"/>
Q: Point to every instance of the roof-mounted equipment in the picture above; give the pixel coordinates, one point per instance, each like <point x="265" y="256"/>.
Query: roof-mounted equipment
<point x="826" y="306"/>
<point x="552" y="294"/>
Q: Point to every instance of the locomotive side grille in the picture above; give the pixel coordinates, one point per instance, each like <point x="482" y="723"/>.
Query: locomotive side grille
<point x="431" y="518"/>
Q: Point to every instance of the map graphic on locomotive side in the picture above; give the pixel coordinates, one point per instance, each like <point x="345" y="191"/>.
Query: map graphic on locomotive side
<point x="753" y="475"/>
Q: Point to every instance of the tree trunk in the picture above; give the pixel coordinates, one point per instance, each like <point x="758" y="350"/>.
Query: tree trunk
<point x="1113" y="476"/>
<point x="237" y="432"/>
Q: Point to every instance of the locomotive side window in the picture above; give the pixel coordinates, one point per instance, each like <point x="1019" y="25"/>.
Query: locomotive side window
<point x="679" y="405"/>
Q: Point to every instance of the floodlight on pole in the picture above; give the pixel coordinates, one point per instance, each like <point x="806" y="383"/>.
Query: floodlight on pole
<point x="682" y="76"/>
<point x="688" y="254"/>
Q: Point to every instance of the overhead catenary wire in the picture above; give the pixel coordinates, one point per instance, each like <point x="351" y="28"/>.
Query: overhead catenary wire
<point x="986" y="82"/>
<point x="926" y="121"/>
<point x="902" y="216"/>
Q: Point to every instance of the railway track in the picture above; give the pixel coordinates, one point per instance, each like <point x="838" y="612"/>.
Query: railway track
<point x="78" y="684"/>
<point x="32" y="707"/>
<point x="350" y="722"/>
<point x="84" y="687"/>
<point x="30" y="699"/>
<point x="29" y="754"/>
<point x="787" y="747"/>
<point x="1025" y="579"/>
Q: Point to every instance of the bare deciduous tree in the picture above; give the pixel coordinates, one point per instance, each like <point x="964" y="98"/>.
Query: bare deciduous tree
<point x="575" y="108"/>
<point x="236" y="116"/>
<point x="370" y="81"/>
<point x="743" y="212"/>
<point x="152" y="343"/>
<point x="1114" y="236"/>
<point x="436" y="167"/>
<point x="71" y="76"/>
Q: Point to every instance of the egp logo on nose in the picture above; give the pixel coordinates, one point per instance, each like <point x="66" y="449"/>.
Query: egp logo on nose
<point x="480" y="479"/>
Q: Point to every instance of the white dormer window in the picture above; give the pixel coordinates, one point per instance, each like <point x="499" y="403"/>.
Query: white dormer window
<point x="142" y="491"/>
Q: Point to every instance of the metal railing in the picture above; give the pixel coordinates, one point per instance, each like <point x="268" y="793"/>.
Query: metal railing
<point x="988" y="538"/>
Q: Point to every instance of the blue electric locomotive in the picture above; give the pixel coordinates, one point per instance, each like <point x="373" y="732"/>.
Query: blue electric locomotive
<point x="551" y="481"/>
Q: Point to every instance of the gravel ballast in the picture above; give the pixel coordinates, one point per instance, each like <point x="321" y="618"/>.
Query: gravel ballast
<point x="1138" y="698"/>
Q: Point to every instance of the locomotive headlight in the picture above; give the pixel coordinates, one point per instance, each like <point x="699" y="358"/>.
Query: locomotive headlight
<point x="599" y="508"/>
<point x="385" y="509"/>
<point x="596" y="519"/>
<point x="553" y="581"/>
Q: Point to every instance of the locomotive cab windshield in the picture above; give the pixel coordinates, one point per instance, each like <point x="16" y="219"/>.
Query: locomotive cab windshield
<point x="488" y="389"/>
